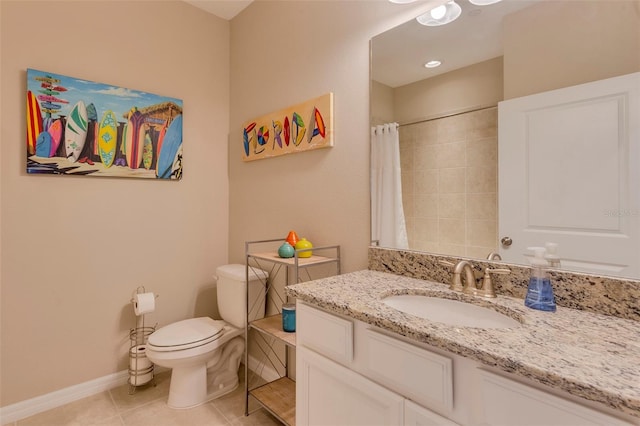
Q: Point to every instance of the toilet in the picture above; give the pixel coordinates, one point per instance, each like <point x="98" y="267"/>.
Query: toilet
<point x="204" y="354"/>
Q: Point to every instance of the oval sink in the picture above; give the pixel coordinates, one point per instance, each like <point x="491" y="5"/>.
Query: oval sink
<point x="450" y="312"/>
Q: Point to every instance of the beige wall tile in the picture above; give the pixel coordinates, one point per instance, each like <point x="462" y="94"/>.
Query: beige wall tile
<point x="482" y="233"/>
<point x="452" y="181"/>
<point x="482" y="206"/>
<point x="426" y="132"/>
<point x="426" y="205"/>
<point x="451" y="231"/>
<point x="406" y="155"/>
<point x="483" y="119"/>
<point x="425" y="156"/>
<point x="425" y="246"/>
<point x="407" y="182"/>
<point x="482" y="179"/>
<point x="452" y="249"/>
<point x="451" y="155"/>
<point x="425" y="182"/>
<point x="451" y="206"/>
<point x="482" y="152"/>
<point x="426" y="229"/>
<point x="408" y="205"/>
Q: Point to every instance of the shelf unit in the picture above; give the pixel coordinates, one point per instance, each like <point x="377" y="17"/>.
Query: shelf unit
<point x="275" y="345"/>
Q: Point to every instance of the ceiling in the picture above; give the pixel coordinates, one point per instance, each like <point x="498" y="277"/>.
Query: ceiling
<point x="225" y="9"/>
<point x="399" y="54"/>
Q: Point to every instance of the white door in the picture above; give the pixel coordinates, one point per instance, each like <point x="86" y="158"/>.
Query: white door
<point x="569" y="163"/>
<point x="330" y="394"/>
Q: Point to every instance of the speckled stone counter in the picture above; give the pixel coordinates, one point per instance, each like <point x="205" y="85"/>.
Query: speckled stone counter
<point x="599" y="294"/>
<point x="589" y="355"/>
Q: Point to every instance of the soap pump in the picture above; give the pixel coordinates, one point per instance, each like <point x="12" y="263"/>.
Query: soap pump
<point x="551" y="255"/>
<point x="540" y="293"/>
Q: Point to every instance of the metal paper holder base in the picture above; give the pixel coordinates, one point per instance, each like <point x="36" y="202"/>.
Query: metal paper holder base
<point x="141" y="369"/>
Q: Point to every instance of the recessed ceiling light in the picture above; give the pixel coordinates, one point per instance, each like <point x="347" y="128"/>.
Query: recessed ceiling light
<point x="441" y="15"/>
<point x="433" y="64"/>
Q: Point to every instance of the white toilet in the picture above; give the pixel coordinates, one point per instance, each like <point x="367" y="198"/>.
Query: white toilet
<point x="204" y="354"/>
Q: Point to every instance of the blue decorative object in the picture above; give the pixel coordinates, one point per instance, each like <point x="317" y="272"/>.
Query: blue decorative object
<point x="289" y="317"/>
<point x="286" y="250"/>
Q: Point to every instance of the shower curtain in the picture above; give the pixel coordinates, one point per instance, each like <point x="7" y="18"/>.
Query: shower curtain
<point x="387" y="215"/>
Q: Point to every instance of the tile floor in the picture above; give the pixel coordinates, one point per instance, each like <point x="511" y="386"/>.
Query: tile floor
<point x="147" y="407"/>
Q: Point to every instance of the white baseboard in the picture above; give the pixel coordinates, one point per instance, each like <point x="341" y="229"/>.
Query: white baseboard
<point x="29" y="407"/>
<point x="23" y="409"/>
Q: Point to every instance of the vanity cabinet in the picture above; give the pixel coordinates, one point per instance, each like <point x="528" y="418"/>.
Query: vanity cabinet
<point x="350" y="372"/>
<point x="334" y="387"/>
<point x="328" y="393"/>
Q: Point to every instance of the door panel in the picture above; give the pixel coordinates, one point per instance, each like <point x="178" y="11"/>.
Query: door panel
<point x="568" y="173"/>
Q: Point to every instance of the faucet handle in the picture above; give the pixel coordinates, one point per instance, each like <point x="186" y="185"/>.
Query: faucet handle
<point x="487" y="289"/>
<point x="446" y="263"/>
<point x="499" y="271"/>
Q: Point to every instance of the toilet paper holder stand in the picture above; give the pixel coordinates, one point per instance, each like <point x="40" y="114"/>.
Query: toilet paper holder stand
<point x="141" y="369"/>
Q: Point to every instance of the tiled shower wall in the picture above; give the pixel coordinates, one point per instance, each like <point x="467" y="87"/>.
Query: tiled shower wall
<point x="450" y="183"/>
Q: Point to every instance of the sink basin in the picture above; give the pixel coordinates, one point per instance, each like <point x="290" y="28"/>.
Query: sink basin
<point x="450" y="312"/>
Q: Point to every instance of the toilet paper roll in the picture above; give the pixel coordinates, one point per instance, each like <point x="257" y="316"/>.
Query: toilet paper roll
<point x="144" y="303"/>
<point x="138" y="360"/>
<point x="140" y="379"/>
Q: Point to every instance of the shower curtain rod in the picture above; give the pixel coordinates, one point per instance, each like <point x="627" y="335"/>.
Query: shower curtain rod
<point x="450" y="114"/>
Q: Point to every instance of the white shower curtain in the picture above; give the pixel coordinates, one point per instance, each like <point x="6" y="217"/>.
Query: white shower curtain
<point x="387" y="215"/>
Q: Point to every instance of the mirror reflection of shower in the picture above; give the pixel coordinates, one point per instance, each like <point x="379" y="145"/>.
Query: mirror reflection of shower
<point x="387" y="214"/>
<point x="449" y="183"/>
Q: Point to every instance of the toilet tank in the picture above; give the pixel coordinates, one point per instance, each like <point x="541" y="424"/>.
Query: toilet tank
<point x="232" y="298"/>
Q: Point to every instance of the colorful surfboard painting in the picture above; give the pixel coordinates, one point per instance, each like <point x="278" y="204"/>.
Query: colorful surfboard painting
<point x="299" y="128"/>
<point x="80" y="127"/>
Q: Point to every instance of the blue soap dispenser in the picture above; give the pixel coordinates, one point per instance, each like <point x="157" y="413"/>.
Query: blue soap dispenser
<point x="540" y="293"/>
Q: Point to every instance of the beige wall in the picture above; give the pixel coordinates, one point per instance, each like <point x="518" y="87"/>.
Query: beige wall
<point x="74" y="248"/>
<point x="558" y="44"/>
<point x="471" y="87"/>
<point x="283" y="53"/>
<point x="381" y="103"/>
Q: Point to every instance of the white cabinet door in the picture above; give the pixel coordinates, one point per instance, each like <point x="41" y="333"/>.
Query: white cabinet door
<point x="506" y="402"/>
<point x="330" y="394"/>
<point x="415" y="415"/>
<point x="569" y="173"/>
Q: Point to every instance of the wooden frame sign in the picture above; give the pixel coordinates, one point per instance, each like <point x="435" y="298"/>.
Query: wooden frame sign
<point x="299" y="128"/>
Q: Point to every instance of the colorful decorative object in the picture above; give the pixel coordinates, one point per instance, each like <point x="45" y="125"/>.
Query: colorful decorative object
<point x="80" y="127"/>
<point x="304" y="244"/>
<point x="302" y="127"/>
<point x="286" y="250"/>
<point x="292" y="238"/>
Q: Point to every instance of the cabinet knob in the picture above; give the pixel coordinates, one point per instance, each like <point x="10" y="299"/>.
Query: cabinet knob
<point x="506" y="241"/>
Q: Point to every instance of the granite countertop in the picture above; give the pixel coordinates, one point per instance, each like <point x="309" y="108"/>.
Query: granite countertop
<point x="589" y="355"/>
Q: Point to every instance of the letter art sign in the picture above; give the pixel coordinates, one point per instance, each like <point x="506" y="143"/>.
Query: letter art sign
<point x="302" y="127"/>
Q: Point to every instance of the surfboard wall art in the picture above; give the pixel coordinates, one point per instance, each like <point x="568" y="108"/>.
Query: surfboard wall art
<point x="299" y="128"/>
<point x="80" y="127"/>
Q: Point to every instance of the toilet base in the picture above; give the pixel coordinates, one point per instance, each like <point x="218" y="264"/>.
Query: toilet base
<point x="196" y="384"/>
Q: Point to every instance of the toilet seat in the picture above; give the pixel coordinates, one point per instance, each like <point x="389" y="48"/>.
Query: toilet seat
<point x="186" y="334"/>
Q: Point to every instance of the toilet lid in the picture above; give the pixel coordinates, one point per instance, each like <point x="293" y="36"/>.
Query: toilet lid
<point x="186" y="334"/>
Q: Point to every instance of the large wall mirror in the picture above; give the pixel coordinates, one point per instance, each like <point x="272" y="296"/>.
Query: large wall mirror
<point x="459" y="121"/>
